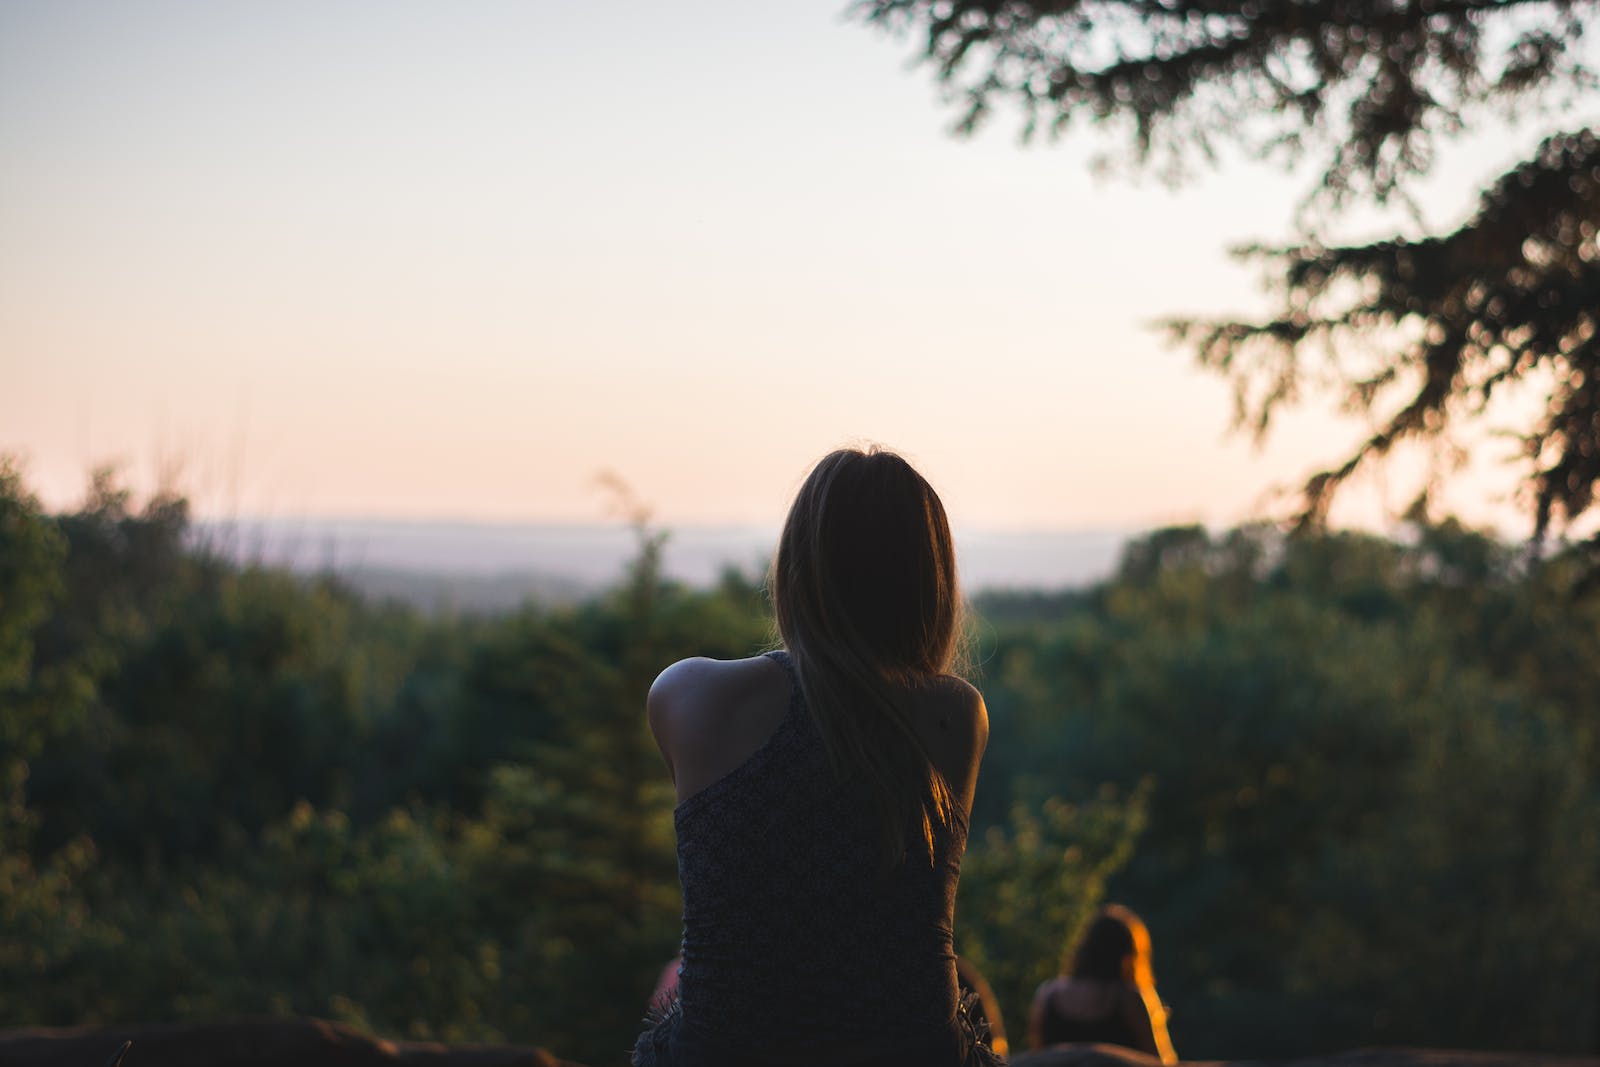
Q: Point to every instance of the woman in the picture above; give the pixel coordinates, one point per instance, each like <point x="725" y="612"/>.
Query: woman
<point x="1108" y="993"/>
<point x="823" y="794"/>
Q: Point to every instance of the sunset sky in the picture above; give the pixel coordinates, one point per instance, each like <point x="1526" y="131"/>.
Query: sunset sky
<point x="427" y="260"/>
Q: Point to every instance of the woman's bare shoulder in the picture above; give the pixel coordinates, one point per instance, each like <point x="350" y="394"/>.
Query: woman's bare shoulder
<point x="701" y="679"/>
<point x="1049" y="987"/>
<point x="708" y="715"/>
<point x="959" y="708"/>
<point x="956" y="686"/>
<point x="694" y="698"/>
<point x="954" y="727"/>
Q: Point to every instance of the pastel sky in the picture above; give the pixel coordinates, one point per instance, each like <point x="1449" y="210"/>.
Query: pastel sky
<point x="453" y="260"/>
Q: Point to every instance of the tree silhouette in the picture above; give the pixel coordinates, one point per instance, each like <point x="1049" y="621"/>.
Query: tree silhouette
<point x="1512" y="295"/>
<point x="1366" y="91"/>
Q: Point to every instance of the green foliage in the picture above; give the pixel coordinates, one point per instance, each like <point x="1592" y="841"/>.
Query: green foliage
<point x="30" y="561"/>
<point x="44" y="915"/>
<point x="31" y="554"/>
<point x="1374" y="785"/>
<point x="1028" y="885"/>
<point x="41" y="908"/>
<point x="1350" y="783"/>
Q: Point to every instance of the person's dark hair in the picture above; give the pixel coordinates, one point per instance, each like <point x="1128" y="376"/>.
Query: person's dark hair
<point x="1114" y="947"/>
<point x="864" y="588"/>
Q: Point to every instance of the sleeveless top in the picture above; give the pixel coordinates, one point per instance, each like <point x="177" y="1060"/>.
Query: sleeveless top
<point x="1112" y="1028"/>
<point x="797" y="946"/>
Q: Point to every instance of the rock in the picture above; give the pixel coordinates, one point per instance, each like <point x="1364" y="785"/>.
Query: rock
<point x="316" y="1043"/>
<point x="1112" y="1056"/>
<point x="1430" y="1057"/>
<point x="1084" y="1056"/>
<point x="250" y="1043"/>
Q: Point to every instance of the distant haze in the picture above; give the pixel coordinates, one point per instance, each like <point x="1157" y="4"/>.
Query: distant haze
<point x="566" y="560"/>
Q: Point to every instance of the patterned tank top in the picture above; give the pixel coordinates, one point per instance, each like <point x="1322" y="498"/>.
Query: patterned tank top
<point x="797" y="946"/>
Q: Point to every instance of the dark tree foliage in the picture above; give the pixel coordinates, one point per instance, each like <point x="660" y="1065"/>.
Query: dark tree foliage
<point x="1512" y="296"/>
<point x="1373" y="84"/>
<point x="1366" y="91"/>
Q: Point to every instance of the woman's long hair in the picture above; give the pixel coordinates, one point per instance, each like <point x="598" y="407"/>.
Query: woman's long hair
<point x="864" y="588"/>
<point x="1114" y="947"/>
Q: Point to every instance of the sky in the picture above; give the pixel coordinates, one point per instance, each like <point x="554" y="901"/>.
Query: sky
<point x="410" y="260"/>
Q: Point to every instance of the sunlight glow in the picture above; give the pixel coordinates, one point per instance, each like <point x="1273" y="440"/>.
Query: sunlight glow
<point x="453" y="264"/>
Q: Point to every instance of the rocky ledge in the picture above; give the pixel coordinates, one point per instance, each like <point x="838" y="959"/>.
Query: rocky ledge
<point x="1111" y="1056"/>
<point x="250" y="1043"/>
<point x="316" y="1043"/>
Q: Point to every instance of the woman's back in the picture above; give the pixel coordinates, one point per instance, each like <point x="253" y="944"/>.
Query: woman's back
<point x="1076" y="1010"/>
<point x="798" y="945"/>
<point x="819" y="846"/>
<point x="1107" y="993"/>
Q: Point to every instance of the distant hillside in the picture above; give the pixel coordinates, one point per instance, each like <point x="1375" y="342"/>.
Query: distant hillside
<point x="448" y="593"/>
<point x="478" y="568"/>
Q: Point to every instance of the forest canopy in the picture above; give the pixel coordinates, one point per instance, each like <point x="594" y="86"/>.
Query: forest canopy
<point x="229" y="790"/>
